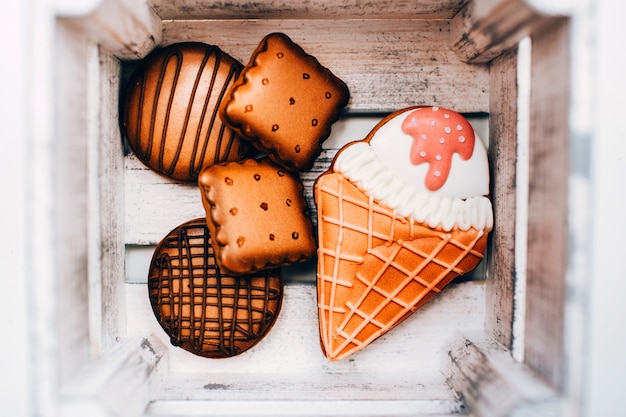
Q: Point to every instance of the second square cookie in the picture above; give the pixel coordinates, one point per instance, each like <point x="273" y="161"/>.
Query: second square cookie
<point x="257" y="215"/>
<point x="284" y="102"/>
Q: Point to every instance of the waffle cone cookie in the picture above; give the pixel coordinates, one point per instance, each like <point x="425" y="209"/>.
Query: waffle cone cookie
<point x="384" y="252"/>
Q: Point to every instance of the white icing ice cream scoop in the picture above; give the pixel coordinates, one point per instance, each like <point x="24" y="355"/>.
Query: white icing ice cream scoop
<point x="428" y="164"/>
<point x="435" y="149"/>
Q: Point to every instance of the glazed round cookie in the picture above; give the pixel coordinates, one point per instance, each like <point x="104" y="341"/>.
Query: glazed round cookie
<point x="169" y="110"/>
<point x="205" y="311"/>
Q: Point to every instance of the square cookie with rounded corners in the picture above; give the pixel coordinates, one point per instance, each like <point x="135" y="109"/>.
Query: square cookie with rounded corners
<point x="284" y="102"/>
<point x="257" y="215"/>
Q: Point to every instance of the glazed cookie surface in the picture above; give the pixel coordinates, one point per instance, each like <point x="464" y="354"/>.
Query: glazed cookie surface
<point x="170" y="110"/>
<point x="257" y="214"/>
<point x="202" y="309"/>
<point x="284" y="102"/>
<point x="401" y="213"/>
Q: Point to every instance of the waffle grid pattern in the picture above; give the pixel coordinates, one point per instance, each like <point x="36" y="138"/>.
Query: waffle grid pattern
<point x="362" y="295"/>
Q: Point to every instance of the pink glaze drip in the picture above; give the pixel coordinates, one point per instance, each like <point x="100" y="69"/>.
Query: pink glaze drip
<point x="437" y="134"/>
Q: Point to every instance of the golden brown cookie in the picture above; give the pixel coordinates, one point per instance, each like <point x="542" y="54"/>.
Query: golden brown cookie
<point x="169" y="110"/>
<point x="284" y="102"/>
<point x="202" y="309"/>
<point x="399" y="217"/>
<point x="257" y="215"/>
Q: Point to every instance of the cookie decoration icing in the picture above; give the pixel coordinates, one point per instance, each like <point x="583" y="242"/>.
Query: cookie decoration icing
<point x="389" y="240"/>
<point x="435" y="139"/>
<point x="202" y="309"/>
<point x="169" y="113"/>
<point x="284" y="102"/>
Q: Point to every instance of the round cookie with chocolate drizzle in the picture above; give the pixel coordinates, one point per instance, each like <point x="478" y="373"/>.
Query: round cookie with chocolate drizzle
<point x="169" y="110"/>
<point x="202" y="309"/>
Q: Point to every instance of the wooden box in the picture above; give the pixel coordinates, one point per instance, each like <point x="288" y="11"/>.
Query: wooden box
<point x="494" y="344"/>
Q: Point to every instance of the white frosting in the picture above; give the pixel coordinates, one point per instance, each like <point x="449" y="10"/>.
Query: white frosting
<point x="361" y="164"/>
<point x="467" y="178"/>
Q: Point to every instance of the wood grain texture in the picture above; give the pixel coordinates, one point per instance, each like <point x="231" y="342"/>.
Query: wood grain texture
<point x="387" y="64"/>
<point x="130" y="29"/>
<point x="492" y="384"/>
<point x="404" y="364"/>
<point x="156" y="204"/>
<point x="109" y="187"/>
<point x="118" y="383"/>
<point x="391" y="58"/>
<point x="308" y="408"/>
<point x="483" y="30"/>
<point x="548" y="203"/>
<point x="69" y="216"/>
<point x="303" y="9"/>
<point x="502" y="154"/>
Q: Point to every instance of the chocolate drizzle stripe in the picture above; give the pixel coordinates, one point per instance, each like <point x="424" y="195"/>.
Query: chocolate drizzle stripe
<point x="193" y="323"/>
<point x="181" y="244"/>
<point x="233" y="73"/>
<point x="146" y="153"/>
<point x="173" y="54"/>
<point x="164" y="259"/>
<point x="192" y="97"/>
<point x="215" y="333"/>
<point x="249" y="302"/>
<point x="233" y="323"/>
<point x="205" y="282"/>
<point x="221" y="155"/>
<point x="194" y="169"/>
<point x="220" y="314"/>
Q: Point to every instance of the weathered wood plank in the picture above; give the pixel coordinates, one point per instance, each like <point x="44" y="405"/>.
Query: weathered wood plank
<point x="130" y="29"/>
<point x="500" y="286"/>
<point x="109" y="193"/>
<point x="295" y="386"/>
<point x="483" y="30"/>
<point x="387" y="65"/>
<point x="155" y="204"/>
<point x="336" y="408"/>
<point x="303" y="9"/>
<point x="118" y="383"/>
<point x="70" y="213"/>
<point x="493" y="384"/>
<point x="548" y="203"/>
<point x="410" y="356"/>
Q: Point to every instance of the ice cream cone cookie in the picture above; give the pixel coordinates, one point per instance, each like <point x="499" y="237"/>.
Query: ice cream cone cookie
<point x="400" y="215"/>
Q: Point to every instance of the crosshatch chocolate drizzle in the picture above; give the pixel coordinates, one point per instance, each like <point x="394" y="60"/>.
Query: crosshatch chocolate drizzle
<point x="204" y="311"/>
<point x="160" y="98"/>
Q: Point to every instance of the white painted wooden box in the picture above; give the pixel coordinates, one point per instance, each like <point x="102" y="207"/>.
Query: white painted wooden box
<point x="502" y="342"/>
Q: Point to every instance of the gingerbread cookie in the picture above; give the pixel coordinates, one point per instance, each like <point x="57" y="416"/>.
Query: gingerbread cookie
<point x="202" y="309"/>
<point x="169" y="110"/>
<point x="284" y="102"/>
<point x="400" y="215"/>
<point x="257" y="215"/>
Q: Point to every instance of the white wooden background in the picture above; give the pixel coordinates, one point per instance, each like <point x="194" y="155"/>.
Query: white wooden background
<point x="403" y="367"/>
<point x="64" y="352"/>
